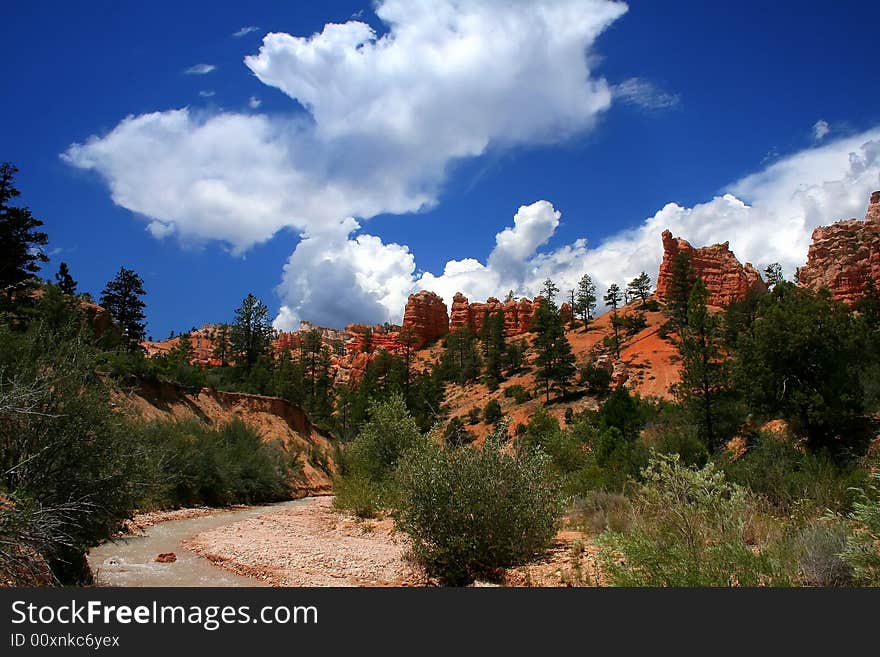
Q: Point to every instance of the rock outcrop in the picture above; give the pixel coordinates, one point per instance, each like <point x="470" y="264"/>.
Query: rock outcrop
<point x="460" y="316"/>
<point x="725" y="278"/>
<point x="425" y="317"/>
<point x="517" y="314"/>
<point x="843" y="255"/>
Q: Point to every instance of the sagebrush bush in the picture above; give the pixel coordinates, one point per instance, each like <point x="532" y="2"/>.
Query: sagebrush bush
<point x="817" y="554"/>
<point x="862" y="549"/>
<point x="598" y="511"/>
<point x="689" y="528"/>
<point x="471" y="511"/>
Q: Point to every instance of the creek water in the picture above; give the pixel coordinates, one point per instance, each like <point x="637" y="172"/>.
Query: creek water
<point x="131" y="561"/>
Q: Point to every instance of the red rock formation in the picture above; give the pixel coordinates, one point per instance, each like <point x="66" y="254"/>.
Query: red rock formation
<point x="426" y="317"/>
<point x="203" y="342"/>
<point x="380" y="339"/>
<point x="517" y="314"/>
<point x="844" y="254"/>
<point x="479" y="312"/>
<point x="525" y="309"/>
<point x="725" y="278"/>
<point x="461" y="313"/>
<point x="565" y="313"/>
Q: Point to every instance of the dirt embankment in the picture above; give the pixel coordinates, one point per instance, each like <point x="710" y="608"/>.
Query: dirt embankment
<point x="274" y="418"/>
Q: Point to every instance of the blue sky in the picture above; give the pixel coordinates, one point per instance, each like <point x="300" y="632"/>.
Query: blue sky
<point x="682" y="103"/>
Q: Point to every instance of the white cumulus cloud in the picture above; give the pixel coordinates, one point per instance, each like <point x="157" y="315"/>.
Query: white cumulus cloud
<point x="766" y="217"/>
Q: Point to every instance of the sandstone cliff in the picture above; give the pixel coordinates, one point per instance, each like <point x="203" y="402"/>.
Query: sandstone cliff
<point x="425" y="317"/>
<point x="725" y="278"/>
<point x="843" y="255"/>
<point x="517" y="314"/>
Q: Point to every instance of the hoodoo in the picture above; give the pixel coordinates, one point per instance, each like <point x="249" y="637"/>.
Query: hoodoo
<point x="843" y="255"/>
<point x="725" y="277"/>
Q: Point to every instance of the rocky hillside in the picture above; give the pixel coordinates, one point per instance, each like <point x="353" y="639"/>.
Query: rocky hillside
<point x="274" y="418"/>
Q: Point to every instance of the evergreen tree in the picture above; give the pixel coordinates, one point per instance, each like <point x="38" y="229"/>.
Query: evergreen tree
<point x="367" y="344"/>
<point x="460" y="361"/>
<point x="612" y="298"/>
<point x="640" y="287"/>
<point x="495" y="349"/>
<point x="555" y="360"/>
<point x="222" y="347"/>
<point x="868" y="305"/>
<point x="64" y="280"/>
<point x="680" y="287"/>
<point x="797" y="364"/>
<point x="585" y="299"/>
<point x="122" y="299"/>
<point x="20" y="242"/>
<point x="182" y="352"/>
<point x="251" y="334"/>
<point x="704" y="376"/>
<point x="773" y="274"/>
<point x="548" y="291"/>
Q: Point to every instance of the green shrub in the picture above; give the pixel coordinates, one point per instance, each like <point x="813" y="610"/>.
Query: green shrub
<point x="792" y="479"/>
<point x="193" y="463"/>
<point x="862" y="550"/>
<point x="455" y="434"/>
<point x="66" y="455"/>
<point x="388" y="435"/>
<point x="492" y="412"/>
<point x="689" y="528"/>
<point x="519" y="394"/>
<point x="474" y="415"/>
<point x="472" y="511"/>
<point x="357" y="494"/>
<point x="598" y="511"/>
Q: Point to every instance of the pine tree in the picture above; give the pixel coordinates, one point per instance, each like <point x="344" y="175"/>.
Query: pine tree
<point x="122" y="299"/>
<point x="868" y="305"/>
<point x="20" y="242"/>
<point x="680" y="287"/>
<point x="773" y="274"/>
<point x="495" y="349"/>
<point x="585" y="299"/>
<point x="548" y="291"/>
<point x="612" y="298"/>
<point x="64" y="280"/>
<point x="251" y="335"/>
<point x="704" y="370"/>
<point x="182" y="352"/>
<point x="555" y="360"/>
<point x="222" y="348"/>
<point x="640" y="287"/>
